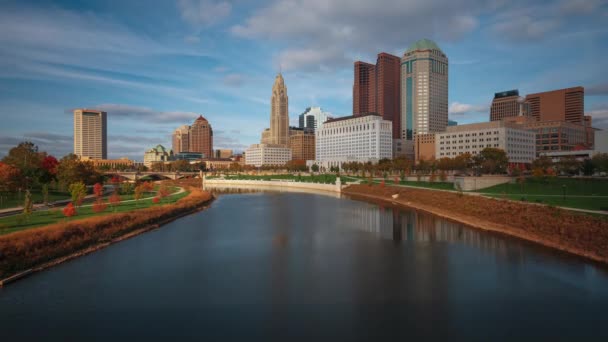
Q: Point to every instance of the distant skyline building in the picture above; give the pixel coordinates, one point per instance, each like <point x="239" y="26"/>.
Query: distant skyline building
<point x="158" y="154"/>
<point x="518" y="143"/>
<point x="263" y="154"/>
<point x="90" y="134"/>
<point x="424" y="89"/>
<point x="279" y="113"/>
<point x="223" y="153"/>
<point x="181" y="139"/>
<point x="201" y="137"/>
<point x="507" y="104"/>
<point x="302" y="143"/>
<point x="365" y="138"/>
<point x="558" y="105"/>
<point x="313" y="117"/>
<point x="377" y="89"/>
<point x="452" y="123"/>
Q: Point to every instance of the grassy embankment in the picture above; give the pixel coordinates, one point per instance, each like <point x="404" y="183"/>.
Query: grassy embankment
<point x="34" y="248"/>
<point x="580" y="193"/>
<point x="574" y="232"/>
<point x="16" y="200"/>
<point x="41" y="218"/>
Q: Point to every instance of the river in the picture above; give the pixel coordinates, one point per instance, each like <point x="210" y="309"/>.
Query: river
<point x="293" y="266"/>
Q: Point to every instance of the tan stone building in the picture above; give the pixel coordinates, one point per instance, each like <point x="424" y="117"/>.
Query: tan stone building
<point x="424" y="147"/>
<point x="223" y="153"/>
<point x="181" y="139"/>
<point x="201" y="137"/>
<point x="279" y="115"/>
<point x="302" y="144"/>
<point x="90" y="134"/>
<point x="112" y="164"/>
<point x="556" y="135"/>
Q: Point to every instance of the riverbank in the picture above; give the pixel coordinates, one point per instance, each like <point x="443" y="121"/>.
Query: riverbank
<point x="25" y="252"/>
<point x="578" y="234"/>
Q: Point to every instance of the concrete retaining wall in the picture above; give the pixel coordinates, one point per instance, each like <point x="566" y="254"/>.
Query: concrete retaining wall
<point x="476" y="183"/>
<point x="275" y="184"/>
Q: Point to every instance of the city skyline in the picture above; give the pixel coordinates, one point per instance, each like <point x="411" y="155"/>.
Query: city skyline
<point x="153" y="78"/>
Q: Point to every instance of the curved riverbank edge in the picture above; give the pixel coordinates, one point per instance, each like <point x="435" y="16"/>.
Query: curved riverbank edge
<point x="149" y="227"/>
<point x="336" y="188"/>
<point x="474" y="222"/>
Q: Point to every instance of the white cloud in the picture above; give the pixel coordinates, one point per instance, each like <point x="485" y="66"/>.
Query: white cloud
<point x="597" y="89"/>
<point x="200" y="13"/>
<point x="311" y="27"/>
<point x="457" y="108"/>
<point x="599" y="114"/>
<point x="122" y="111"/>
<point x="234" y="80"/>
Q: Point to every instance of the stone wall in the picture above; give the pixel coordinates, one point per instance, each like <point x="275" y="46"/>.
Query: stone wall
<point x="275" y="184"/>
<point x="477" y="183"/>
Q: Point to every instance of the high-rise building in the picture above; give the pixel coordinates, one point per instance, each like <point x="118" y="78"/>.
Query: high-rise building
<point x="558" y="105"/>
<point x="364" y="88"/>
<point x="377" y="89"/>
<point x="364" y="138"/>
<point x="424" y="89"/>
<point x="201" y="137"/>
<point x="90" y="134"/>
<point x="313" y="117"/>
<point x="279" y="114"/>
<point x="181" y="139"/>
<point x="223" y="153"/>
<point x="452" y="123"/>
<point x="507" y="104"/>
<point x="302" y="143"/>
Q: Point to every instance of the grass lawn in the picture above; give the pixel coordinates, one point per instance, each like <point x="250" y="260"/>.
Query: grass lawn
<point x="551" y="192"/>
<point x="16" y="200"/>
<point x="42" y="218"/>
<point x="422" y="184"/>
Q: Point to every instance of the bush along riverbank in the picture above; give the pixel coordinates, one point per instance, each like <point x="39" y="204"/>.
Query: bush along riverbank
<point x="26" y="251"/>
<point x="576" y="233"/>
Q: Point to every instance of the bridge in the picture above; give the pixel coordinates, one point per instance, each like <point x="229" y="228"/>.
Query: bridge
<point x="154" y="175"/>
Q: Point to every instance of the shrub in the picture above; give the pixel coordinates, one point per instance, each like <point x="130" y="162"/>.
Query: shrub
<point x="114" y="200"/>
<point x="99" y="206"/>
<point x="69" y="210"/>
<point x="155" y="200"/>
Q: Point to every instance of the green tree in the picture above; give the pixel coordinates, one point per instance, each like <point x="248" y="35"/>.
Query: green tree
<point x="542" y="162"/>
<point x="569" y="165"/>
<point x="78" y="191"/>
<point x="600" y="162"/>
<point x="314" y="168"/>
<point x="126" y="188"/>
<point x="28" y="205"/>
<point x="492" y="160"/>
<point x="72" y="170"/>
<point x="27" y="159"/>
<point x="588" y="167"/>
<point x="45" y="193"/>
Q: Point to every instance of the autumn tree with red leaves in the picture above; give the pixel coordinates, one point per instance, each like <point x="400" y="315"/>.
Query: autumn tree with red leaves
<point x="69" y="210"/>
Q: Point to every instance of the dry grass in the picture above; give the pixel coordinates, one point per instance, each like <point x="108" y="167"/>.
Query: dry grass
<point x="567" y="229"/>
<point x="26" y="249"/>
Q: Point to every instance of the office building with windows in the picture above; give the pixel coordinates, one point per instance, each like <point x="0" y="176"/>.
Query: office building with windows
<point x="90" y="134"/>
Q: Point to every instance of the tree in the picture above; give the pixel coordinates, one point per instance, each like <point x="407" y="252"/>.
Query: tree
<point x="45" y="193"/>
<point x="114" y="200"/>
<point x="28" y="205"/>
<point x="600" y="162"/>
<point x="433" y="177"/>
<point x="139" y="192"/>
<point x="69" y="210"/>
<point x="569" y="165"/>
<point x="442" y="176"/>
<point x="27" y="159"/>
<point x="588" y="167"/>
<point x="10" y="177"/>
<point x="492" y="160"/>
<point x="126" y="188"/>
<point x="78" y="191"/>
<point x="163" y="191"/>
<point x="49" y="169"/>
<point x="314" y="168"/>
<point x="72" y="170"/>
<point x="98" y="190"/>
<point x="542" y="162"/>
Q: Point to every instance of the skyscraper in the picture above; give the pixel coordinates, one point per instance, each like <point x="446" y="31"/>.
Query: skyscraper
<point x="424" y="89"/>
<point x="505" y="104"/>
<point x="181" y="139"/>
<point x="201" y="137"/>
<point x="279" y="115"/>
<point x="313" y="118"/>
<point x="558" y="105"/>
<point x="90" y="134"/>
<point x="377" y="89"/>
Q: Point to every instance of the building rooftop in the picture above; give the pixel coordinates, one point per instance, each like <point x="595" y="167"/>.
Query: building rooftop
<point x="507" y="93"/>
<point x="352" y="117"/>
<point x="423" y="44"/>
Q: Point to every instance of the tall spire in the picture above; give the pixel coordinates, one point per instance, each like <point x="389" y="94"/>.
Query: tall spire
<point x="279" y="116"/>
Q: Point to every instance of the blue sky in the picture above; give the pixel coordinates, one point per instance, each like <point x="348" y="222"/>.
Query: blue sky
<point x="154" y="65"/>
